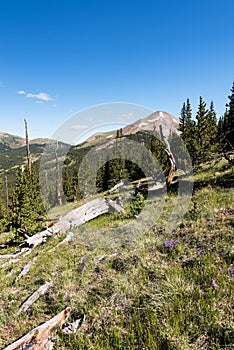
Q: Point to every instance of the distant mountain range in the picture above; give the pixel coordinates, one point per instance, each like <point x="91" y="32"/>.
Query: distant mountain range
<point x="150" y="123"/>
<point x="13" y="141"/>
<point x="13" y="149"/>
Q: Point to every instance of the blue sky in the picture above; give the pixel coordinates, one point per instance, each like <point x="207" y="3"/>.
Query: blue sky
<point x="65" y="56"/>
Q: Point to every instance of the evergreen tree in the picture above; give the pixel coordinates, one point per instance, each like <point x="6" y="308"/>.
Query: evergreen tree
<point x="228" y="125"/>
<point x="212" y="130"/>
<point x="27" y="210"/>
<point x="188" y="132"/>
<point x="183" y="119"/>
<point x="201" y="132"/>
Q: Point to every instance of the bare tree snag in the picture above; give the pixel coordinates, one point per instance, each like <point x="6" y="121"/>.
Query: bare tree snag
<point x="27" y="147"/>
<point x="7" y="193"/>
<point x="34" y="297"/>
<point x="39" y="337"/>
<point x="170" y="155"/>
<point x="58" y="181"/>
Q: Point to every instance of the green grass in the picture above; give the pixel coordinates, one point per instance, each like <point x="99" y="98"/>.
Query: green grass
<point x="147" y="296"/>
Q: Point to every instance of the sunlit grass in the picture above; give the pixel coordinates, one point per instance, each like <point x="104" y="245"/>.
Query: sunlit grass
<point x="144" y="294"/>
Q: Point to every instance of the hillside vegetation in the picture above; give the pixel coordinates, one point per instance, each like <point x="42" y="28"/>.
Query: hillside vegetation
<point x="129" y="278"/>
<point x="159" y="291"/>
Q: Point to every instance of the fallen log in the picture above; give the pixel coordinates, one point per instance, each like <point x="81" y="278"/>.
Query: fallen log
<point x="39" y="337"/>
<point x="75" y="218"/>
<point x="34" y="297"/>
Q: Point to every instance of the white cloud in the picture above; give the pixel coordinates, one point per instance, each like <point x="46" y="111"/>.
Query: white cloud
<point x="39" y="102"/>
<point x="42" y="96"/>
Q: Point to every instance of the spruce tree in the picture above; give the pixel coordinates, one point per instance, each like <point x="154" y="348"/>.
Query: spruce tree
<point x="211" y="131"/>
<point x="183" y="119"/>
<point x="201" y="132"/>
<point x="189" y="131"/>
<point x="229" y="121"/>
<point x="27" y="210"/>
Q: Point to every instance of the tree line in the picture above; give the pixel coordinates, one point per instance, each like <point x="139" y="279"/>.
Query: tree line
<point x="205" y="135"/>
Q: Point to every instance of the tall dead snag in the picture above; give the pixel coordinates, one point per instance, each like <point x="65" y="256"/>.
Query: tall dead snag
<point x="27" y="147"/>
<point x="170" y="155"/>
<point x="7" y="193"/>
<point x="39" y="337"/>
<point x="58" y="182"/>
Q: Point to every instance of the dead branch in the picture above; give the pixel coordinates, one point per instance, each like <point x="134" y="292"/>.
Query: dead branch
<point x="34" y="297"/>
<point x="104" y="257"/>
<point x="16" y="254"/>
<point x="38" y="338"/>
<point x="8" y="263"/>
<point x="26" y="269"/>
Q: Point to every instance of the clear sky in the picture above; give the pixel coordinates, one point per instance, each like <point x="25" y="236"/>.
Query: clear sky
<point x="58" y="57"/>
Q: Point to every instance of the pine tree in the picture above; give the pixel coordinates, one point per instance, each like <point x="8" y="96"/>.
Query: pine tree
<point x="212" y="129"/>
<point x="183" y="119"/>
<point x="189" y="131"/>
<point x="27" y="210"/>
<point x="229" y="121"/>
<point x="201" y="132"/>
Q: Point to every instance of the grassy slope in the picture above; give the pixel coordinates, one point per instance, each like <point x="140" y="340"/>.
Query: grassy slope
<point x="146" y="297"/>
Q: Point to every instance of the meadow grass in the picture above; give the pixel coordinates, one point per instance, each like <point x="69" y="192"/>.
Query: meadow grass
<point x="160" y="291"/>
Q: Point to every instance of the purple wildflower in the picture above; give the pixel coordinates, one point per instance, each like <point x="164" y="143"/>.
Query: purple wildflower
<point x="83" y="268"/>
<point x="170" y="244"/>
<point x="220" y="269"/>
<point x="231" y="271"/>
<point x="214" y="283"/>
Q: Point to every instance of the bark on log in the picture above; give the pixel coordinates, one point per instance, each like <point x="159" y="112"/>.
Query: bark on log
<point x="34" y="297"/>
<point x="38" y="338"/>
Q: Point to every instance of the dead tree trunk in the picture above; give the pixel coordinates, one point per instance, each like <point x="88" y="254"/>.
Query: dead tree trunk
<point x="7" y="193"/>
<point x="58" y="181"/>
<point x="27" y="147"/>
<point x="170" y="155"/>
<point x="39" y="337"/>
